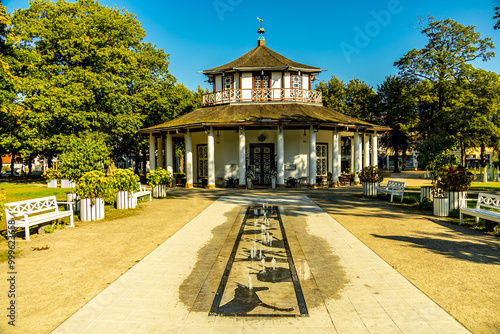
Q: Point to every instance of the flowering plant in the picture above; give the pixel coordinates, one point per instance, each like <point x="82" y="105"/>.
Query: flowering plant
<point x="451" y="178"/>
<point x="371" y="174"/>
<point x="50" y="174"/>
<point x="159" y="176"/>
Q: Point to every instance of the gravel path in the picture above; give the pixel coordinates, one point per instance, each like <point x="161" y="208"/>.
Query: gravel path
<point x="457" y="267"/>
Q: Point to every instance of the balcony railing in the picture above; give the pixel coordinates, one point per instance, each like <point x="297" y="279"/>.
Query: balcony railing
<point x="262" y="95"/>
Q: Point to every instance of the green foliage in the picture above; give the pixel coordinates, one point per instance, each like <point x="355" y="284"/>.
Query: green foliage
<point x="50" y="174"/>
<point x="371" y="174"/>
<point x="124" y="180"/>
<point x="90" y="70"/>
<point x="396" y="102"/>
<point x="356" y="98"/>
<point x="85" y="153"/>
<point x="453" y="178"/>
<point x="92" y="185"/>
<point x="442" y="66"/>
<point x="159" y="176"/>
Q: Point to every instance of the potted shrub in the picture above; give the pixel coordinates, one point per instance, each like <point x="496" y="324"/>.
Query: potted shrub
<point x="249" y="175"/>
<point x="274" y="175"/>
<point x="180" y="179"/>
<point x="91" y="188"/>
<point x="455" y="181"/>
<point x="158" y="180"/>
<point x="51" y="175"/>
<point x="124" y="182"/>
<point x="441" y="202"/>
<point x="370" y="176"/>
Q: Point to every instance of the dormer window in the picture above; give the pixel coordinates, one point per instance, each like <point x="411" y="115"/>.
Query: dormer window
<point x="296" y="81"/>
<point x="228" y="83"/>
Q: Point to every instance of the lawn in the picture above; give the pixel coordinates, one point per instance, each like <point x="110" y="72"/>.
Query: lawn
<point x="23" y="191"/>
<point x="476" y="186"/>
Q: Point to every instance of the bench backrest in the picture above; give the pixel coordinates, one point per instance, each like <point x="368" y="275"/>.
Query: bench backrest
<point x="488" y="201"/>
<point x="395" y="185"/>
<point x="30" y="206"/>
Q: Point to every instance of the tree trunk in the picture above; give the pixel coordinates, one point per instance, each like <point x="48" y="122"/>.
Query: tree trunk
<point x="483" y="160"/>
<point x="462" y="152"/>
<point x="144" y="161"/>
<point x="49" y="162"/>
<point x="137" y="162"/>
<point x="12" y="160"/>
<point x="403" y="155"/>
<point x="396" y="160"/>
<point x="30" y="159"/>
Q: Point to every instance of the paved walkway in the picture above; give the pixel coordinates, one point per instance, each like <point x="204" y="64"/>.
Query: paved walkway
<point x="347" y="287"/>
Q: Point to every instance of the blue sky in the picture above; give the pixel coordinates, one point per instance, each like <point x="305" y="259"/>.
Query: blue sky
<point x="356" y="39"/>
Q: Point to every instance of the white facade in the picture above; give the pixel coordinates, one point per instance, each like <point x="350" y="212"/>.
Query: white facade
<point x="297" y="156"/>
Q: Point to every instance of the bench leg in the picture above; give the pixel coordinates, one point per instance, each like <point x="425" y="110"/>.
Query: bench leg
<point x="402" y="195"/>
<point x="71" y="221"/>
<point x="461" y="219"/>
<point x="27" y="232"/>
<point x="392" y="195"/>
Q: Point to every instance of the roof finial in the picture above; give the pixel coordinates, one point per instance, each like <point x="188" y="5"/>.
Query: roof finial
<point x="261" y="31"/>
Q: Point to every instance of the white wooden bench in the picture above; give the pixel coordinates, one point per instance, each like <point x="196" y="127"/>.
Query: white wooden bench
<point x="392" y="188"/>
<point x="142" y="192"/>
<point x="33" y="212"/>
<point x="483" y="203"/>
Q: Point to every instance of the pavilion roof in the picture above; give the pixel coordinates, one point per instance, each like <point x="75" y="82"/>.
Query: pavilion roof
<point x="261" y="58"/>
<point x="264" y="113"/>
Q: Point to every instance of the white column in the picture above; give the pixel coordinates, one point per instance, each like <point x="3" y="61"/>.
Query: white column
<point x="357" y="157"/>
<point x="159" y="144"/>
<point x="152" y="152"/>
<point x="366" y="155"/>
<point x="169" y="153"/>
<point x="281" y="158"/>
<point x="242" y="166"/>
<point x="374" y="150"/>
<point x="312" y="157"/>
<point x="335" y="156"/>
<point x="360" y="161"/>
<point x="211" y="158"/>
<point x="352" y="154"/>
<point x="189" y="161"/>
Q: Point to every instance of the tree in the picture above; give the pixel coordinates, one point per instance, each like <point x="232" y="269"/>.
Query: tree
<point x="334" y="93"/>
<point x="356" y="98"/>
<point x="396" y="103"/>
<point x="497" y="17"/>
<point x="440" y="66"/>
<point x="361" y="100"/>
<point x="477" y="111"/>
<point x="93" y="73"/>
<point x="85" y="153"/>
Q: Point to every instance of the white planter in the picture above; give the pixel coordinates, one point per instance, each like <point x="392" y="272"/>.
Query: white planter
<point x="249" y="183"/>
<point x="425" y="192"/>
<point x="71" y="197"/>
<point x="160" y="191"/>
<point x="91" y="212"/>
<point x="52" y="183"/>
<point x="132" y="202"/>
<point x="122" y="200"/>
<point x="455" y="197"/>
<point x="441" y="206"/>
<point x="369" y="188"/>
<point x="273" y="182"/>
<point x="65" y="183"/>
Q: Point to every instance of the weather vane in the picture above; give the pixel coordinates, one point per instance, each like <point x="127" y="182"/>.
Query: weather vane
<point x="261" y="30"/>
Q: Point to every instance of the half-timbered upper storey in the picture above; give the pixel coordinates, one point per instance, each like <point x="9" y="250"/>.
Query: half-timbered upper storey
<point x="262" y="75"/>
